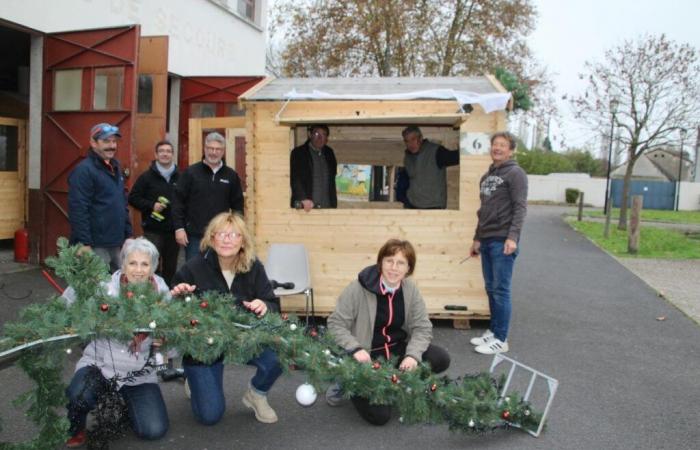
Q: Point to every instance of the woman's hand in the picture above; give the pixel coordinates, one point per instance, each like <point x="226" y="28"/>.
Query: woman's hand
<point x="182" y="288"/>
<point x="408" y="363"/>
<point x="257" y="306"/>
<point x="362" y="356"/>
<point x="475" y="249"/>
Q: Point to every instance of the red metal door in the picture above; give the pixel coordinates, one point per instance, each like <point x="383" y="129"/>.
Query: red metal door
<point x="89" y="77"/>
<point x="211" y="97"/>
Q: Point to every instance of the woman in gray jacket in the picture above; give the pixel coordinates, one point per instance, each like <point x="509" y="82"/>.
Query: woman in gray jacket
<point x="131" y="364"/>
<point x="382" y="314"/>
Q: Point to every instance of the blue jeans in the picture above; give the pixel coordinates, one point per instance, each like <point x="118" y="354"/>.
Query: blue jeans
<point x="207" y="387"/>
<point x="147" y="413"/>
<point x="192" y="248"/>
<point x="498" y="274"/>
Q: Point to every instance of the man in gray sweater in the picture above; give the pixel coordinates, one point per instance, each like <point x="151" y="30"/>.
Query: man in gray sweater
<point x="425" y="164"/>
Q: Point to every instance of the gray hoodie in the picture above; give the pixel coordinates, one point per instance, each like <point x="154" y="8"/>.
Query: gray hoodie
<point x="503" y="194"/>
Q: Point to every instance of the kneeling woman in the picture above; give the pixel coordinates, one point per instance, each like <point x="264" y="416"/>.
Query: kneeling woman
<point x="227" y="264"/>
<point x="382" y="314"/>
<point x="132" y="363"/>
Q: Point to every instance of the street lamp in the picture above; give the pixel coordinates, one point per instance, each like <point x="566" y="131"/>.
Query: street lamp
<point x="682" y="132"/>
<point x="613" y="110"/>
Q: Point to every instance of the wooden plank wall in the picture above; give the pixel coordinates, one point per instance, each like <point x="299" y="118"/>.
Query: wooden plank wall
<point x="13" y="187"/>
<point x="343" y="241"/>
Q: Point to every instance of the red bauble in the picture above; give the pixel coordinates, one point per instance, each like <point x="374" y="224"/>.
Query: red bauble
<point x="313" y="333"/>
<point x="204" y="305"/>
<point x="376" y="365"/>
<point x="194" y="322"/>
<point x="433" y="387"/>
<point x="129" y="294"/>
<point x="285" y="316"/>
<point x="505" y="415"/>
<point x="394" y="378"/>
<point x="104" y="307"/>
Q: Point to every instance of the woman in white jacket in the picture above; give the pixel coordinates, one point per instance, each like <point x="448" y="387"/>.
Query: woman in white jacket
<point x="130" y="363"/>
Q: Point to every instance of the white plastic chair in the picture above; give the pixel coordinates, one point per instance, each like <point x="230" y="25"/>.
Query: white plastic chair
<point x="287" y="267"/>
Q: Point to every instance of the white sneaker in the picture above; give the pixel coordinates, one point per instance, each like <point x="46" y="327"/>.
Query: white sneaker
<point x="492" y="347"/>
<point x="188" y="393"/>
<point x="484" y="338"/>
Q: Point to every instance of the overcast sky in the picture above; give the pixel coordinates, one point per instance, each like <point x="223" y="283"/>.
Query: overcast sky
<point x="570" y="32"/>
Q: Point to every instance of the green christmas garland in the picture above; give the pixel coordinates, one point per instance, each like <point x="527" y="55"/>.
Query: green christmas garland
<point x="208" y="327"/>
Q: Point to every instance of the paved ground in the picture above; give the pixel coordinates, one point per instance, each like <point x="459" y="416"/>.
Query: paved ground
<point x="628" y="381"/>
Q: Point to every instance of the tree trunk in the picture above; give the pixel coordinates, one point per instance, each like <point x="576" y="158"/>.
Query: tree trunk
<point x="622" y="224"/>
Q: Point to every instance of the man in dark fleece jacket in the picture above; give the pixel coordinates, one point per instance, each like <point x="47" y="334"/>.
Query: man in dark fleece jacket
<point x="205" y="189"/>
<point x="503" y="194"/>
<point x="97" y="209"/>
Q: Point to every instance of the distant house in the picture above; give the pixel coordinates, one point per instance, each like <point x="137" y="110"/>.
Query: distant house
<point x="658" y="165"/>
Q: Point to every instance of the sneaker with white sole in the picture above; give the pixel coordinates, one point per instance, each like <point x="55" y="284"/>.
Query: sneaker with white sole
<point x="484" y="338"/>
<point x="188" y="393"/>
<point x="334" y="395"/>
<point x="492" y="347"/>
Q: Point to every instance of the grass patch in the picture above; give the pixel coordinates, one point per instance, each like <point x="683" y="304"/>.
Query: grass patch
<point x="653" y="242"/>
<point x="654" y="215"/>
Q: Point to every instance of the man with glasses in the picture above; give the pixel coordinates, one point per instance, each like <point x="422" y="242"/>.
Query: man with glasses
<point x="204" y="190"/>
<point x="153" y="194"/>
<point x="97" y="206"/>
<point x="425" y="164"/>
<point x="312" y="171"/>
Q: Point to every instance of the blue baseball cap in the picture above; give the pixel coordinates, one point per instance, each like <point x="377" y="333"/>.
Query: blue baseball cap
<point x="103" y="131"/>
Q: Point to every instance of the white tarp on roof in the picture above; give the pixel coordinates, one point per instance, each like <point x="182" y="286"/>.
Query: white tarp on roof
<point x="489" y="102"/>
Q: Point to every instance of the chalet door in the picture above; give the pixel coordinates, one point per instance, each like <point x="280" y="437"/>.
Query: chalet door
<point x="89" y="77"/>
<point x="13" y="171"/>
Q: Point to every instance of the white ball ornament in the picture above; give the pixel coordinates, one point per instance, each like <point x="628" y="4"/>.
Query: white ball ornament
<point x="306" y="394"/>
<point x="210" y="340"/>
<point x="188" y="299"/>
<point x="69" y="351"/>
<point x="471" y="424"/>
<point x="152" y="325"/>
<point x="293" y="326"/>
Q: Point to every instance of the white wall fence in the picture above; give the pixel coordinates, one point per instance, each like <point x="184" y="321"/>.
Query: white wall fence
<point x="552" y="188"/>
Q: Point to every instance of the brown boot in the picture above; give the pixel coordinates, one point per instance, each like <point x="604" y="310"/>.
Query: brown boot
<point x="258" y="403"/>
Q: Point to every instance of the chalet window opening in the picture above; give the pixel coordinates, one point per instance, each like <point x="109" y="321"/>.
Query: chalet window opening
<point x="145" y="94"/>
<point x="9" y="141"/>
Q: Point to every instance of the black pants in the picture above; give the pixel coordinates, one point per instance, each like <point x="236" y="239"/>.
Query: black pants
<point x="439" y="361"/>
<point x="168" y="248"/>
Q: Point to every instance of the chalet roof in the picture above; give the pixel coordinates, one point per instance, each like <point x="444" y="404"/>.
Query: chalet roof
<point x="482" y="90"/>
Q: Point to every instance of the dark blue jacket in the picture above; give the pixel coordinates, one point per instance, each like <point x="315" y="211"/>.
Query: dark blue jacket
<point x="97" y="208"/>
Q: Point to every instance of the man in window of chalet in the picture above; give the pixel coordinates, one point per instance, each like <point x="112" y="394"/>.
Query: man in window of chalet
<point x="312" y="171"/>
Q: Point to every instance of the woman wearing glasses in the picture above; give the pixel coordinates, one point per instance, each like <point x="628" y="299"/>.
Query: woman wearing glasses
<point x="227" y="264"/>
<point x="381" y="314"/>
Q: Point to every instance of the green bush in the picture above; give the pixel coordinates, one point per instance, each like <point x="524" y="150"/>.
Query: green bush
<point x="571" y="195"/>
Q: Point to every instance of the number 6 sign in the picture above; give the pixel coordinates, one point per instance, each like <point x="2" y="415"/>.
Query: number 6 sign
<point x="474" y="143"/>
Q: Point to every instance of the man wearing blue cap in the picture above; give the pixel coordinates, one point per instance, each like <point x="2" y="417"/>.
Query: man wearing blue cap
<point x="97" y="202"/>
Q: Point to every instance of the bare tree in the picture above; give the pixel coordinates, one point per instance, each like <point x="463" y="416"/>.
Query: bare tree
<point x="655" y="82"/>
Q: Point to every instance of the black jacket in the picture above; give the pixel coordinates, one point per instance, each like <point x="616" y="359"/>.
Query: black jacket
<point x="301" y="173"/>
<point x="201" y="194"/>
<point x="204" y="271"/>
<point x="145" y="192"/>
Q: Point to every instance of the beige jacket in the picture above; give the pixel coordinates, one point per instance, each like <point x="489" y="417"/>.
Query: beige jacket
<point x="352" y="322"/>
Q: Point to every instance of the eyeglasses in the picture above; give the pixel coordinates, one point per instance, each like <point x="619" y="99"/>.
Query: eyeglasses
<point x="231" y="235"/>
<point x="215" y="149"/>
<point x="318" y="134"/>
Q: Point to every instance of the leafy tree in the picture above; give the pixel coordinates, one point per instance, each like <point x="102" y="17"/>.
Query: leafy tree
<point x="583" y="162"/>
<point x="329" y="38"/>
<point x="547" y="144"/>
<point x="655" y="82"/>
<point x="519" y="89"/>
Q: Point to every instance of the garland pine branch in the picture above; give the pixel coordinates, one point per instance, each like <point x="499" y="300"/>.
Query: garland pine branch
<point x="211" y="326"/>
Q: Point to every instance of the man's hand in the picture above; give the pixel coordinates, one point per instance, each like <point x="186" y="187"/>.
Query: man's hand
<point x="257" y="306"/>
<point x="475" y="249"/>
<point x="408" y="363"/>
<point x="158" y="207"/>
<point x="181" y="237"/>
<point x="509" y="247"/>
<point x="308" y="205"/>
<point x="362" y="356"/>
